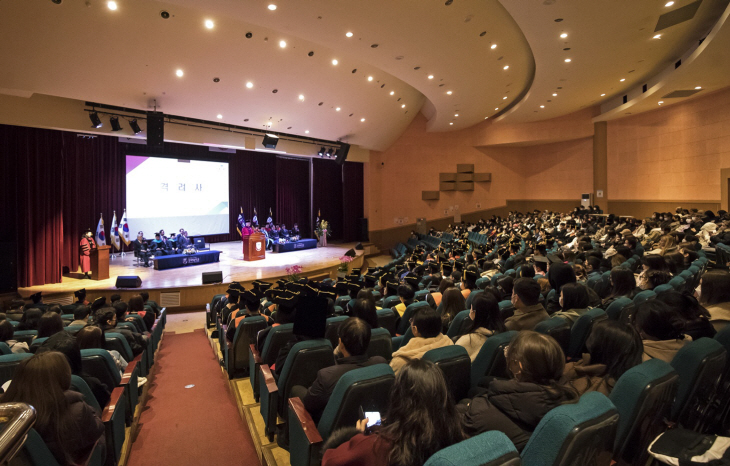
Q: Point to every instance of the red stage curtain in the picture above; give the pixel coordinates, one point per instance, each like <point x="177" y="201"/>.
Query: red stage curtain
<point x="292" y="194"/>
<point x="327" y="194"/>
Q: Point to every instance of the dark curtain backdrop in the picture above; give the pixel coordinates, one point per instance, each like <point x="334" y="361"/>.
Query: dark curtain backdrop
<point x="292" y="194"/>
<point x="55" y="184"/>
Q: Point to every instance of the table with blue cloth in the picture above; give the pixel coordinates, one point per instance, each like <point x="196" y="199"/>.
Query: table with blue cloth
<point x="295" y="245"/>
<point x="184" y="260"/>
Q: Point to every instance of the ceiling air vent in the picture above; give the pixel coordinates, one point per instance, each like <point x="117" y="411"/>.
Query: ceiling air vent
<point x="677" y="16"/>
<point x="682" y="93"/>
<point x="170" y="299"/>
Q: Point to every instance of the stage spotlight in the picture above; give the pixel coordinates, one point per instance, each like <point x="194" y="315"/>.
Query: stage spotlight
<point x="135" y="127"/>
<point x="95" y="120"/>
<point x="328" y="153"/>
<point x="321" y="151"/>
<point x="114" y="121"/>
<point x="270" y="141"/>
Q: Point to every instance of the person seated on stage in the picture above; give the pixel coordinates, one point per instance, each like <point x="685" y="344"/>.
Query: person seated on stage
<point x="166" y="245"/>
<point x="80" y="296"/>
<point x="295" y="230"/>
<point x="251" y="309"/>
<point x="157" y="246"/>
<point x="354" y="339"/>
<point x="81" y="315"/>
<point x="141" y="249"/>
<point x="162" y="234"/>
<point x="174" y="249"/>
<point x="183" y="242"/>
<point x="274" y="233"/>
<point x="284" y="231"/>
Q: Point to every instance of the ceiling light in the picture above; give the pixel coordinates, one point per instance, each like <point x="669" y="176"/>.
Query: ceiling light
<point x="392" y="92"/>
<point x="370" y="78"/>
<point x="564" y="35"/>
<point x="603" y="95"/>
<point x="282" y="43"/>
<point x="658" y="36"/>
<point x="456" y="114"/>
<point x="403" y="106"/>
<point x="328" y="154"/>
<point x="555" y="95"/>
<point x="179" y="73"/>
<point x="622" y="79"/>
<point x="506" y="67"/>
<point x="95" y="120"/>
<point x="698" y="87"/>
<point x="497" y="108"/>
<point x="209" y="23"/>
<point x="486" y="118"/>
<point x="362" y="119"/>
<point x="451" y="123"/>
<point x="542" y="106"/>
<point x="135" y="127"/>
<point x="568" y="60"/>
<point x="301" y="96"/>
<point x="504" y="98"/>
<point x="306" y="132"/>
<point x="430" y="76"/>
<point x="448" y="92"/>
<point x="337" y="109"/>
<point x="249" y="84"/>
<point x="114" y="121"/>
<point x="494" y="46"/>
<point x="349" y="34"/>
<point x="661" y="102"/>
<point x="321" y="151"/>
<point x="220" y="116"/>
<point x="272" y="7"/>
<point x="335" y="62"/>
<point x="111" y="5"/>
<point x="668" y="4"/>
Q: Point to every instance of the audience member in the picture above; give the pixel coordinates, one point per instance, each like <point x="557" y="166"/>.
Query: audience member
<point x="92" y="337"/>
<point x="426" y="328"/>
<point x="526" y="300"/>
<point x="485" y="320"/>
<point x="50" y="324"/>
<point x="573" y="301"/>
<point x="365" y="309"/>
<point x="697" y="323"/>
<point x="81" y="315"/>
<point x="406" y="295"/>
<point x="661" y="330"/>
<point x="453" y="303"/>
<point x="714" y="294"/>
<point x="6" y="336"/>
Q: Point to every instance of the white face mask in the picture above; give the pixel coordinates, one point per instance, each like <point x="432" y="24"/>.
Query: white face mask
<point x="698" y="291"/>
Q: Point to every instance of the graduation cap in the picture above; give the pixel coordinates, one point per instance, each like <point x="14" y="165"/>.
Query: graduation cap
<point x="341" y="287"/>
<point x="372" y="270"/>
<point x="352" y="278"/>
<point x="98" y="303"/>
<point x="553" y="259"/>
<point x="261" y="285"/>
<point x="356" y="271"/>
<point x="412" y="280"/>
<point x="296" y="287"/>
<point x="392" y="287"/>
<point x="433" y="267"/>
<point x="459" y="266"/>
<point x="249" y="297"/>
<point x="354" y="287"/>
<point x="80" y="293"/>
<point x="370" y="280"/>
<point x="36" y="297"/>
<point x="310" y="319"/>
<point x="470" y="276"/>
<point x="234" y="293"/>
<point x="541" y="259"/>
<point x="285" y="299"/>
<point x="236" y="286"/>
<point x="447" y="268"/>
<point x="327" y="288"/>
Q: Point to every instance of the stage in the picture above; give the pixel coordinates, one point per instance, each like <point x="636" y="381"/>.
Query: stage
<point x="186" y="282"/>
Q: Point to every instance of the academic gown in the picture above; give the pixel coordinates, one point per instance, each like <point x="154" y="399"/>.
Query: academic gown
<point x="86" y="245"/>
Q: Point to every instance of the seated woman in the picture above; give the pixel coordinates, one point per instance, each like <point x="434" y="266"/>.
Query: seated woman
<point x="6" y="336"/>
<point x="573" y="301"/>
<point x="613" y="348"/>
<point x="434" y="299"/>
<point x="136" y="306"/>
<point x="623" y="285"/>
<point x="650" y="279"/>
<point x="365" y="309"/>
<point x="536" y="363"/>
<point x="50" y="324"/>
<point x="453" y="303"/>
<point x="697" y="322"/>
<point x="714" y="294"/>
<point x="661" y="330"/>
<point x="650" y="263"/>
<point x="426" y="328"/>
<point x="31" y="318"/>
<point x="486" y="320"/>
<point x="106" y="319"/>
<point x="420" y="421"/>
<point x="468" y="283"/>
<point x="92" y="337"/>
<point x="69" y="427"/>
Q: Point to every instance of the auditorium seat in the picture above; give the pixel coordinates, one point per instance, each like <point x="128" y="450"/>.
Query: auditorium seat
<point x="387" y="319"/>
<point x="236" y="353"/>
<point x="405" y="320"/>
<point x="401" y="340"/>
<point x="381" y="344"/>
<point x="100" y="364"/>
<point x="491" y="448"/>
<point x="678" y="283"/>
<point x="276" y="339"/>
<point x="332" y="329"/>
<point x="471" y="297"/>
<point x="209" y="311"/>
<point x="455" y="364"/>
<point x="26" y="336"/>
<point x="34" y="452"/>
<point x="73" y="329"/>
<point x="457" y="325"/>
<point x="4" y="348"/>
<point x="643" y="396"/>
<point x="573" y="434"/>
<point x="699" y="365"/>
<point x="664" y="287"/>
<point x="8" y="363"/>
<point x="37" y="344"/>
<point x="581" y="330"/>
<point x="615" y="308"/>
<point x="366" y="387"/>
<point x="390" y="301"/>
<point x="421" y="295"/>
<point x="304" y="360"/>
<point x="482" y="282"/>
<point x="558" y="328"/>
<point x="490" y="360"/>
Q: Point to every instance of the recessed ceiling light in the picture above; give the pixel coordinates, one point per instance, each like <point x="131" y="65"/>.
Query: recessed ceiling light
<point x="657" y="36"/>
<point x="272" y="7"/>
<point x="306" y="132"/>
<point x="451" y="123"/>
<point x="349" y="34"/>
<point x="430" y="76"/>
<point x="494" y="46"/>
<point x="506" y="67"/>
<point x="179" y="73"/>
<point x="392" y="92"/>
<point x="301" y="96"/>
<point x="564" y="35"/>
<point x="370" y="78"/>
<point x="568" y="60"/>
<point x="362" y="119"/>
<point x="220" y="116"/>
<point x="603" y="95"/>
<point x="504" y="98"/>
<point x="555" y="95"/>
<point x="335" y="62"/>
<point x="337" y="109"/>
<point x="668" y="4"/>
<point x="209" y="23"/>
<point x="486" y="118"/>
<point x="622" y="79"/>
<point x="496" y="109"/>
<point x="542" y="106"/>
<point x="249" y="84"/>
<point x="282" y="43"/>
<point x="448" y="92"/>
<point x="111" y="5"/>
<point x="661" y="102"/>
<point x="456" y="114"/>
<point x="698" y="87"/>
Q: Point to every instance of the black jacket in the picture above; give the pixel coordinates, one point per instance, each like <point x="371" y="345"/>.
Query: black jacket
<point x="136" y="341"/>
<point x="319" y="393"/>
<point x="512" y="407"/>
<point x="78" y="441"/>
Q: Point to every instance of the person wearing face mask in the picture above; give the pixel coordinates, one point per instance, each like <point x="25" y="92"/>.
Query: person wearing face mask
<point x="528" y="310"/>
<point x="706" y="232"/>
<point x="141" y="249"/>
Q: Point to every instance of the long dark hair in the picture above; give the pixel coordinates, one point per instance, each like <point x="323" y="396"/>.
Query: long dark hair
<point x="365" y="310"/>
<point x="684" y="304"/>
<point x="90" y="337"/>
<point x="616" y="345"/>
<point x="575" y="296"/>
<point x="136" y="304"/>
<point x="41" y="381"/>
<point x="453" y="302"/>
<point x="50" y="324"/>
<point x="487" y="314"/>
<point x="623" y="281"/>
<point x="421" y="418"/>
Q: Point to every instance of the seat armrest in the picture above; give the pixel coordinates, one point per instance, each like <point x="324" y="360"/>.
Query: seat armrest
<point x="113" y="417"/>
<point x="254" y="361"/>
<point x="114" y="401"/>
<point x="305" y="441"/>
<point x="269" y="393"/>
<point x="130" y="385"/>
<point x="255" y="354"/>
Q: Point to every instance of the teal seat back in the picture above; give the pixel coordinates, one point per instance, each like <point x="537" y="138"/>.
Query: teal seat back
<point x="457" y="324"/>
<point x="455" y="364"/>
<point x="387" y="319"/>
<point x="26" y="336"/>
<point x="408" y="314"/>
<point x="558" y="328"/>
<point x="303" y="362"/>
<point x="614" y="309"/>
<point x="381" y="344"/>
<point x="490" y="359"/>
<point x="73" y="329"/>
<point x="37" y="344"/>
<point x="236" y="358"/>
<point x="678" y="283"/>
<point x="491" y="448"/>
<point x="276" y="339"/>
<point x="8" y="363"/>
<point x="483" y="282"/>
<point x="100" y="364"/>
<point x="644" y="296"/>
<point x="78" y="385"/>
<point x="35" y="452"/>
<point x="391" y="301"/>
<point x="581" y="329"/>
<point x="572" y="433"/>
<point x="471" y="297"/>
<point x="4" y="348"/>
<point x="663" y="288"/>
<point x="332" y="329"/>
<point x="117" y="341"/>
<point x="643" y="396"/>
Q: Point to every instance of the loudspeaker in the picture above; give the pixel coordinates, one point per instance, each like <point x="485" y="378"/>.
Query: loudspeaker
<point x="212" y="277"/>
<point x="128" y="281"/>
<point x="358" y="247"/>
<point x="342" y="153"/>
<point x="270" y="141"/>
<point x="351" y="253"/>
<point x="9" y="269"/>
<point x="362" y="230"/>
<point x="156" y="130"/>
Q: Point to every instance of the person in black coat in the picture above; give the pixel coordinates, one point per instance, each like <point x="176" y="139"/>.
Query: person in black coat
<point x="354" y="336"/>
<point x="516" y="406"/>
<point x="106" y="319"/>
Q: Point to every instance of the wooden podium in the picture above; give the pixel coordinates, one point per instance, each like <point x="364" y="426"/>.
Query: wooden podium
<point x="254" y="247"/>
<point x="100" y="263"/>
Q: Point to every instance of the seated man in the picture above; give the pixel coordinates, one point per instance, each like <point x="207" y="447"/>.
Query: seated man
<point x="528" y="310"/>
<point x="426" y="327"/>
<point x="81" y="315"/>
<point x="157" y="247"/>
<point x="295" y="231"/>
<point x="352" y="349"/>
<point x="141" y="249"/>
<point x="183" y="242"/>
<point x="406" y="295"/>
<point x="251" y="309"/>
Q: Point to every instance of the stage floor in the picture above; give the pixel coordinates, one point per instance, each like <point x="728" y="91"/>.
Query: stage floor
<point x="231" y="263"/>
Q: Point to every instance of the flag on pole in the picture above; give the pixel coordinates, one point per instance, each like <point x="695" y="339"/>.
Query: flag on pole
<point x="319" y="213"/>
<point x="241" y="222"/>
<point x="125" y="228"/>
<point x="100" y="236"/>
<point x="255" y="220"/>
<point x="114" y="232"/>
<point x="269" y="220"/>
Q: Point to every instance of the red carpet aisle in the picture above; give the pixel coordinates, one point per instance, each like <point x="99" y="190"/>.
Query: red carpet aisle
<point x="190" y="426"/>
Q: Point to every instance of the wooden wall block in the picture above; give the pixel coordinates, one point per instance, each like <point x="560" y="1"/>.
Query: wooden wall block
<point x="465" y="186"/>
<point x="430" y="195"/>
<point x="464" y="177"/>
<point x="481" y="177"/>
<point x="447" y="186"/>
<point x="465" y="168"/>
<point x="447" y="177"/>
